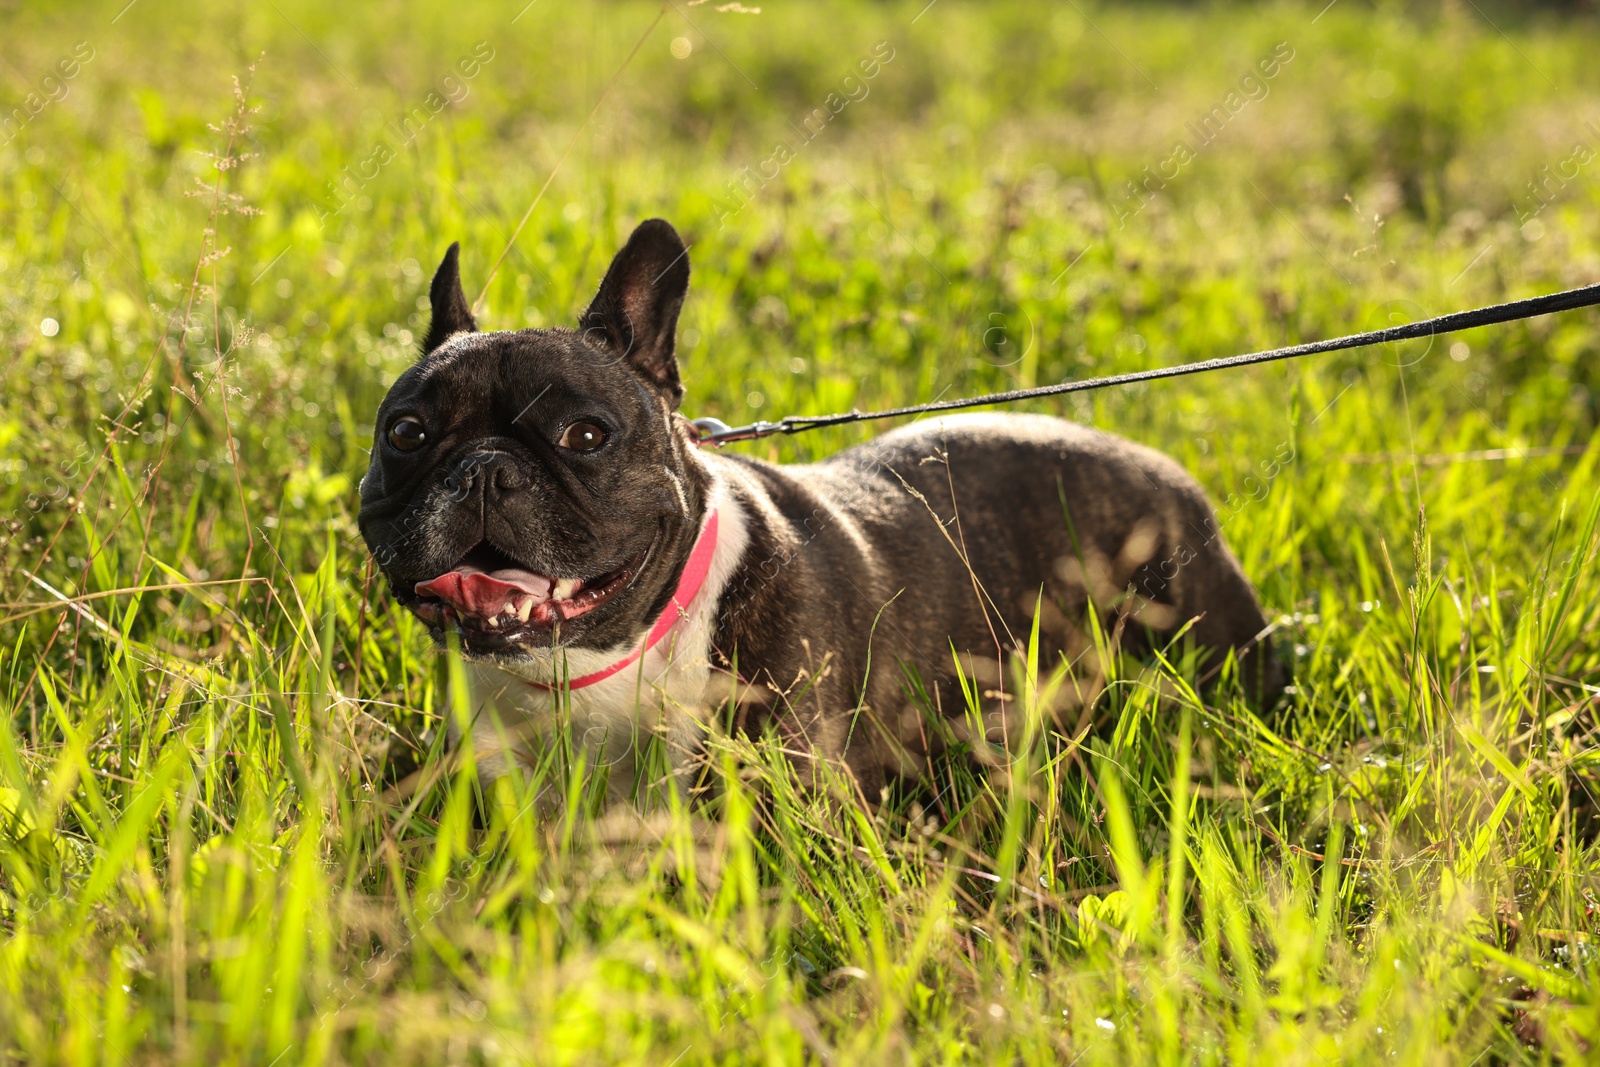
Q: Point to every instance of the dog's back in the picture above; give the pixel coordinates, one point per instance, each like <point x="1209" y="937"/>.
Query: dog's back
<point x="941" y="541"/>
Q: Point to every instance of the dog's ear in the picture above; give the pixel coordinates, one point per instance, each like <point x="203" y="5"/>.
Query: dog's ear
<point x="635" y="313"/>
<point x="451" y="312"/>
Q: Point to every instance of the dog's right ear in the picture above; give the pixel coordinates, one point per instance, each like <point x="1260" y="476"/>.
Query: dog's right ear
<point x="451" y="312"/>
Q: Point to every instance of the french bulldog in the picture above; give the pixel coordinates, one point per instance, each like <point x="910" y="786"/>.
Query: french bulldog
<point x="538" y="498"/>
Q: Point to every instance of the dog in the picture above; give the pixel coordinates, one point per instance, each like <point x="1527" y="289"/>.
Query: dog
<point x="538" y="499"/>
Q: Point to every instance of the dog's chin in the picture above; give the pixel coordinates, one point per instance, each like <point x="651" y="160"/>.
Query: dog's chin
<point x="521" y="626"/>
<point x="519" y="641"/>
<point x="475" y="645"/>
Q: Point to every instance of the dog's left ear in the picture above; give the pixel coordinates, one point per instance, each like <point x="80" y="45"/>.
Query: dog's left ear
<point x="635" y="313"/>
<point x="451" y="312"/>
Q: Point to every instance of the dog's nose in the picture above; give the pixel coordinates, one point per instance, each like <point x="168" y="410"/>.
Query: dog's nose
<point x="493" y="473"/>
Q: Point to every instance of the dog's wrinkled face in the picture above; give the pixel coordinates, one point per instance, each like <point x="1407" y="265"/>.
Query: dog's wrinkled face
<point x="530" y="488"/>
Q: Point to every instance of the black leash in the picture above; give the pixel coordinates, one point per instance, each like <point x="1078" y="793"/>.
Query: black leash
<point x="715" y="432"/>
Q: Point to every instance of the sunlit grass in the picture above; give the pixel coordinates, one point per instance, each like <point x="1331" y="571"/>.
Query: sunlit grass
<point x="202" y="854"/>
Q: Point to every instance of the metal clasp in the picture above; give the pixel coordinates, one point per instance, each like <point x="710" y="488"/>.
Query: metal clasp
<point x="709" y="431"/>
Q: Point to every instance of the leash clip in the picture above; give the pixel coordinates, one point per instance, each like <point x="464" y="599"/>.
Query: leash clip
<point x="709" y="431"/>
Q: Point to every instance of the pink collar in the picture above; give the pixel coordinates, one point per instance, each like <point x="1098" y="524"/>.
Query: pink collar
<point x="689" y="583"/>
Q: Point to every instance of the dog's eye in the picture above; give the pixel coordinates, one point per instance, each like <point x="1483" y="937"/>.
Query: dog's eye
<point x="407" y="434"/>
<point x="583" y="437"/>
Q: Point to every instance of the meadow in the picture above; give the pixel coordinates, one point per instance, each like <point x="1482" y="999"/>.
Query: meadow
<point x="217" y="224"/>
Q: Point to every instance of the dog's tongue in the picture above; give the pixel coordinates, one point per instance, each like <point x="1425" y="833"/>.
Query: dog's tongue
<point x="486" y="594"/>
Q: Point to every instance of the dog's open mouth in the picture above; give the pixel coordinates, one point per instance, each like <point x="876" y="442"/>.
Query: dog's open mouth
<point x="491" y="595"/>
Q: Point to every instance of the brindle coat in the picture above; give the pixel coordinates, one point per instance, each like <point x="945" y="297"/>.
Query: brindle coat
<point x="832" y="583"/>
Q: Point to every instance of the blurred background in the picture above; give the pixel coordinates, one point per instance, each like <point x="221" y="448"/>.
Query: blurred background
<point x="217" y="226"/>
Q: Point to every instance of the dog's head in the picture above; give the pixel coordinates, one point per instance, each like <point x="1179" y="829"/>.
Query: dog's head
<point x="534" y="487"/>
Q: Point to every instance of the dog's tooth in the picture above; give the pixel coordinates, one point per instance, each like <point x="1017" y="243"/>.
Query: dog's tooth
<point x="564" y="589"/>
<point x="524" y="608"/>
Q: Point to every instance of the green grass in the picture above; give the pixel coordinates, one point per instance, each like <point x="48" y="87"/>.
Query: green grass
<point x="197" y="859"/>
